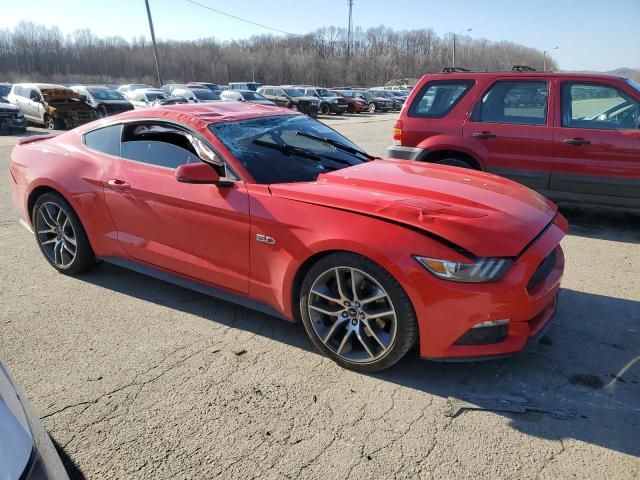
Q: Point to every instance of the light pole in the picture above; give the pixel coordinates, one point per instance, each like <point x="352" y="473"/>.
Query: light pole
<point x="454" y="44"/>
<point x="253" y="75"/>
<point x="544" y="57"/>
<point x="153" y="40"/>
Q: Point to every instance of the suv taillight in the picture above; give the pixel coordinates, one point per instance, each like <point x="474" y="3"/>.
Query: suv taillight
<point x="397" y="133"/>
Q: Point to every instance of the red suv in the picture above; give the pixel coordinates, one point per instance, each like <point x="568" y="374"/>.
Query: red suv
<point x="571" y="136"/>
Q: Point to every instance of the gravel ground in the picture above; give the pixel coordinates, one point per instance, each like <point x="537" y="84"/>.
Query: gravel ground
<point x="136" y="378"/>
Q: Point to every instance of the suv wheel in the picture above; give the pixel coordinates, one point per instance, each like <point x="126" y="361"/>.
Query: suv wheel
<point x="372" y="107"/>
<point x="351" y="109"/>
<point x="324" y="109"/>
<point x="51" y="123"/>
<point x="455" y="162"/>
<point x="356" y="313"/>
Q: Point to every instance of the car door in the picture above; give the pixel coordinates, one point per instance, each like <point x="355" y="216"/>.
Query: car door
<point x="197" y="230"/>
<point x="27" y="105"/>
<point x="510" y="125"/>
<point x="597" y="141"/>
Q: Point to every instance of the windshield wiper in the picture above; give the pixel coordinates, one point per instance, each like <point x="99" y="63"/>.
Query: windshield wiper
<point x="300" y="152"/>
<point x="338" y="145"/>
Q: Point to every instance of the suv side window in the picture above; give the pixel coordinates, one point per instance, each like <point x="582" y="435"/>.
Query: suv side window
<point x="105" y="140"/>
<point x="516" y="102"/>
<point x="591" y="105"/>
<point x="436" y="99"/>
<point x="157" y="144"/>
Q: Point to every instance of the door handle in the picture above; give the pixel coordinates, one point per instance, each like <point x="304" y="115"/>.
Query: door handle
<point x="483" y="135"/>
<point x="576" y="141"/>
<point x="118" y="184"/>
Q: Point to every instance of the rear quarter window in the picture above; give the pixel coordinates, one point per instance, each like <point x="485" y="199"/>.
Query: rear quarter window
<point x="105" y="139"/>
<point x="437" y="98"/>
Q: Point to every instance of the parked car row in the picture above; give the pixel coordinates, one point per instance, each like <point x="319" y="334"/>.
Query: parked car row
<point x="68" y="106"/>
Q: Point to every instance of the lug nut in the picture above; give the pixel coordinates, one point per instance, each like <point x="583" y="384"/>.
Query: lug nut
<point x="345" y="314"/>
<point x="347" y="304"/>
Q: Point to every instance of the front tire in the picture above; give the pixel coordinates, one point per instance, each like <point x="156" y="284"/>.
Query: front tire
<point x="60" y="235"/>
<point x="324" y="109"/>
<point x="372" y="107"/>
<point x="356" y="313"/>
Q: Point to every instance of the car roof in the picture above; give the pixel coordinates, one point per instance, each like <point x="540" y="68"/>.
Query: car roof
<point x="204" y="113"/>
<point x="534" y="73"/>
<point x="44" y="86"/>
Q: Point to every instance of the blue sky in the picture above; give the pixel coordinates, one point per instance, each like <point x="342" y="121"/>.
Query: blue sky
<point x="591" y="34"/>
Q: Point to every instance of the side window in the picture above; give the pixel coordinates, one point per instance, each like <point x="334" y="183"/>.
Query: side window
<point x="598" y="106"/>
<point x="24" y="92"/>
<point x="34" y="95"/>
<point x="517" y="102"/>
<point x="436" y="99"/>
<point x="105" y="140"/>
<point x="157" y="144"/>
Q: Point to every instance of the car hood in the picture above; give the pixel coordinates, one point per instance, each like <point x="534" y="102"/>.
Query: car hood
<point x="315" y="99"/>
<point x="262" y="102"/>
<point x="484" y="214"/>
<point x="112" y="102"/>
<point x="8" y="107"/>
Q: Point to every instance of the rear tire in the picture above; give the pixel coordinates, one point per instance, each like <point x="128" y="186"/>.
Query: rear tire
<point x="456" y="162"/>
<point x="367" y="328"/>
<point x="60" y="235"/>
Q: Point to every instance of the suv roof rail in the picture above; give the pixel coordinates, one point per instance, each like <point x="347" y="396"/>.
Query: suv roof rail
<point x="454" y="69"/>
<point x="522" y="68"/>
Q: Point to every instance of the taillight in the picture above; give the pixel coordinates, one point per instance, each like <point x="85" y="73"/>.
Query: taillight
<point x="397" y="133"/>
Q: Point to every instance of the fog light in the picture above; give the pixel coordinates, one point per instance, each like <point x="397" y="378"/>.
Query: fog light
<point x="492" y="323"/>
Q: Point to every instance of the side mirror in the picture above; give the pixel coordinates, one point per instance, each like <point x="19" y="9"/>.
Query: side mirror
<point x="197" y="173"/>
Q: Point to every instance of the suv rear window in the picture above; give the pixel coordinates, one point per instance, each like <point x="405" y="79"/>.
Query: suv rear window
<point x="436" y="99"/>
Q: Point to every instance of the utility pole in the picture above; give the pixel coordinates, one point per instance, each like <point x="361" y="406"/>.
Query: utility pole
<point x="544" y="57"/>
<point x="349" y="31"/>
<point x="153" y="40"/>
<point x="454" y="44"/>
<point x="253" y="75"/>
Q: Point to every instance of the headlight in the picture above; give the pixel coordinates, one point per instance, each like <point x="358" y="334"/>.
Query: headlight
<point x="335" y="100"/>
<point x="482" y="270"/>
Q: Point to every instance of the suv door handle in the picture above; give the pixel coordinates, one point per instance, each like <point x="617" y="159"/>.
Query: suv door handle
<point x="118" y="184"/>
<point x="576" y="141"/>
<point x="483" y="135"/>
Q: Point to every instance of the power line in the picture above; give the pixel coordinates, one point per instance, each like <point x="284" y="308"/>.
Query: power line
<point x="238" y="18"/>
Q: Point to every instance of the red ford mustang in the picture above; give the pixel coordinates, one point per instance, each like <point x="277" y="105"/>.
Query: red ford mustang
<point x="277" y="211"/>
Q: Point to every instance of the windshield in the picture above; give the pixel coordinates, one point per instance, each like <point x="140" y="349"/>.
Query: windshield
<point x="253" y="86"/>
<point x="367" y="96"/>
<point x="633" y="83"/>
<point x="105" y="94"/>
<point x="278" y="150"/>
<point x="323" y="92"/>
<point x="205" y="94"/>
<point x="4" y="90"/>
<point x="153" y="96"/>
<point x="252" y="96"/>
<point x="292" y="92"/>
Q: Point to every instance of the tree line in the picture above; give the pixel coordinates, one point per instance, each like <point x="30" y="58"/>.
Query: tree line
<point x="379" y="55"/>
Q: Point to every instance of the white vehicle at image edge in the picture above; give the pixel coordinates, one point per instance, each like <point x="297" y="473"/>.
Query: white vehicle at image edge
<point x="26" y="451"/>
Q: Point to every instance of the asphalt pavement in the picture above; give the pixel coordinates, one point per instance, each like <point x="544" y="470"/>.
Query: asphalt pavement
<point x="137" y="378"/>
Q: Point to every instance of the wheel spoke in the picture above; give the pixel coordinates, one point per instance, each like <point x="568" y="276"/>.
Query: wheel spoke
<point x="339" y="322"/>
<point x="47" y="242"/>
<point x="344" y="341"/>
<point x="377" y="295"/>
<point x="66" y="247"/>
<point x="59" y="216"/>
<point x="57" y="251"/>
<point x="69" y="239"/>
<point x="48" y="230"/>
<point x="371" y="316"/>
<point x="339" y="283"/>
<point x="325" y="296"/>
<point x="353" y="285"/>
<point x="373" y="335"/>
<point x="325" y="311"/>
<point x="363" y="342"/>
<point x="46" y="216"/>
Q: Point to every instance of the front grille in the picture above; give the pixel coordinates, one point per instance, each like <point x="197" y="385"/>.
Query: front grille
<point x="8" y="114"/>
<point x="342" y="101"/>
<point x="543" y="270"/>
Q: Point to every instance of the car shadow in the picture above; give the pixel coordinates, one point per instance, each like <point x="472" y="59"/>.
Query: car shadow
<point x="615" y="224"/>
<point x="579" y="366"/>
<point x="73" y="470"/>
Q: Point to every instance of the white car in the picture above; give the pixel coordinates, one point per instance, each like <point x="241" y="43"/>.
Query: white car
<point x="129" y="87"/>
<point x="245" y="96"/>
<point x="195" y="95"/>
<point x="151" y="97"/>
